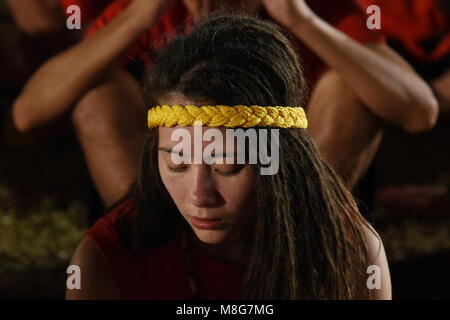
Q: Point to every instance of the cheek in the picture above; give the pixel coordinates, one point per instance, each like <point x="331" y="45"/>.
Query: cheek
<point x="239" y="195"/>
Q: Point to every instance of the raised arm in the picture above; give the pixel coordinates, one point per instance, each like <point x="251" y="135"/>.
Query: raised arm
<point x="381" y="79"/>
<point x="62" y="80"/>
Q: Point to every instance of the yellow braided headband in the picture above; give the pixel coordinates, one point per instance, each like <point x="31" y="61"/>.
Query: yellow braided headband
<point x="217" y="116"/>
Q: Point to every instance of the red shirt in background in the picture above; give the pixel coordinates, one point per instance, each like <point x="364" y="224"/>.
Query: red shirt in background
<point x="347" y="16"/>
<point x="417" y="29"/>
<point x="414" y="23"/>
<point x="161" y="272"/>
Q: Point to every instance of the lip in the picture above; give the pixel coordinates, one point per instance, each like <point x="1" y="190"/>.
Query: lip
<point x="207" y="224"/>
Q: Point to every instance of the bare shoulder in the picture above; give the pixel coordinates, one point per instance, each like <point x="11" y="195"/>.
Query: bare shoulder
<point x="97" y="280"/>
<point x="378" y="263"/>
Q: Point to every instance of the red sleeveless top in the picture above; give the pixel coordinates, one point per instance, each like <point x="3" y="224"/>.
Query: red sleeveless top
<point x="161" y="272"/>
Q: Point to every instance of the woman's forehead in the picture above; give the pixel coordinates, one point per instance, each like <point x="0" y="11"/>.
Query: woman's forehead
<point x="169" y="137"/>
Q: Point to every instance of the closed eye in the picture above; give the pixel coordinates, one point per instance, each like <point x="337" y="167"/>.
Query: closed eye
<point x="220" y="172"/>
<point x="230" y="172"/>
<point x="176" y="169"/>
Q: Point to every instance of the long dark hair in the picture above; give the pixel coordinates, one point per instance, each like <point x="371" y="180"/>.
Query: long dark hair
<point x="308" y="240"/>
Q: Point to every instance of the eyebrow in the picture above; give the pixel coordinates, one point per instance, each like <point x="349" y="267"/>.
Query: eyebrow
<point x="220" y="155"/>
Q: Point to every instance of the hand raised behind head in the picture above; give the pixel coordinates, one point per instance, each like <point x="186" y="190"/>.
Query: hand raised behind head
<point x="147" y="11"/>
<point x="289" y="13"/>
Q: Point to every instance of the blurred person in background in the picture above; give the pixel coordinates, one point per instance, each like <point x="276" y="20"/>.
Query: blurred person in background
<point x="35" y="31"/>
<point x="419" y="30"/>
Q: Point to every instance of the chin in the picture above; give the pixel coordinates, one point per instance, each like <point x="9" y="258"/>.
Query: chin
<point x="211" y="236"/>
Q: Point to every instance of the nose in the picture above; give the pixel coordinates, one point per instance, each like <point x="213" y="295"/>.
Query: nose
<point x="202" y="190"/>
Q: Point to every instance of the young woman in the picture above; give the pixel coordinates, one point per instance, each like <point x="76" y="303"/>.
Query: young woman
<point x="225" y="231"/>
